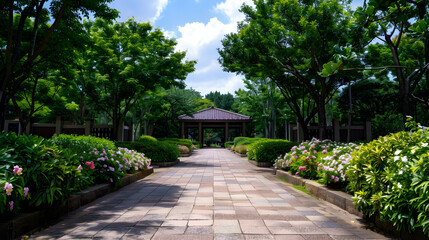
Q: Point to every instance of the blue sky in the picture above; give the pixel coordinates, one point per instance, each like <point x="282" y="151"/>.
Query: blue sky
<point x="198" y="26"/>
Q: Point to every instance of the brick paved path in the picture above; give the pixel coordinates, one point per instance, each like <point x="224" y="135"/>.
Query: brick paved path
<point x="213" y="194"/>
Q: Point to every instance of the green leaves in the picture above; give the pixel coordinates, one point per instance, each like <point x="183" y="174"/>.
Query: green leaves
<point x="331" y="68"/>
<point x="390" y="179"/>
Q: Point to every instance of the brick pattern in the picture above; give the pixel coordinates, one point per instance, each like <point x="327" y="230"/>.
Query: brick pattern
<point x="211" y="195"/>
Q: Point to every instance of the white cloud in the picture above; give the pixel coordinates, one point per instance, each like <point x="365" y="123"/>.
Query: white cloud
<point x="196" y="36"/>
<point x="169" y="34"/>
<point x="159" y="6"/>
<point x="214" y="65"/>
<point x="231" y="9"/>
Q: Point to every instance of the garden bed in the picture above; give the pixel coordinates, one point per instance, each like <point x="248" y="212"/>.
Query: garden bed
<point x="28" y="222"/>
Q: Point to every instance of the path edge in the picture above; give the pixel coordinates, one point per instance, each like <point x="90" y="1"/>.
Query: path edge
<point x="25" y="223"/>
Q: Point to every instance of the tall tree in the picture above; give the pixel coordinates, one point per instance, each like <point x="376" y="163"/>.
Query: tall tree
<point x="398" y="22"/>
<point x="25" y="37"/>
<point x="130" y="58"/>
<point x="290" y="40"/>
<point x="223" y="101"/>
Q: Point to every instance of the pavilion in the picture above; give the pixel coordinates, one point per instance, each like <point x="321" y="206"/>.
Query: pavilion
<point x="213" y="118"/>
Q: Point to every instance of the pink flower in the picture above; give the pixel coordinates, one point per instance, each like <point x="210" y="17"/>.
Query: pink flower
<point x="324" y="151"/>
<point x="79" y="168"/>
<point x="314" y="151"/>
<point x="337" y="179"/>
<point x="9" y="188"/>
<point x="17" y="170"/>
<point x="302" y="168"/>
<point x="296" y="157"/>
<point x="111" y="180"/>
<point x="90" y="165"/>
<point x="26" y="189"/>
<point x="11" y="205"/>
<point x="332" y="177"/>
<point x="296" y="173"/>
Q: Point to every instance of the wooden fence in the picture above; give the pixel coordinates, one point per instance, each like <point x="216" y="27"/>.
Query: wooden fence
<point x="47" y="130"/>
<point x="335" y="132"/>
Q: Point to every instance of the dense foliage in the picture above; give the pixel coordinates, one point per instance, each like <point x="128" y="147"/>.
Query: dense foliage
<point x="390" y="179"/>
<point x="38" y="172"/>
<point x="268" y="150"/>
<point x="180" y="142"/>
<point x="157" y="151"/>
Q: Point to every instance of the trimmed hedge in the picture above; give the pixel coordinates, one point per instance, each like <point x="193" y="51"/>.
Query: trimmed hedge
<point x="229" y="144"/>
<point x="268" y="150"/>
<point x="156" y="150"/>
<point x="178" y="141"/>
<point x="147" y="137"/>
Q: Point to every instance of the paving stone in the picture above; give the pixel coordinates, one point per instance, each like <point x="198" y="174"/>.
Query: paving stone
<point x="213" y="194"/>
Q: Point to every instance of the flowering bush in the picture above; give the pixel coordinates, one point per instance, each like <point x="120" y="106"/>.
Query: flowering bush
<point x="183" y="149"/>
<point x="332" y="168"/>
<point x="303" y="160"/>
<point x="34" y="172"/>
<point x="390" y="179"/>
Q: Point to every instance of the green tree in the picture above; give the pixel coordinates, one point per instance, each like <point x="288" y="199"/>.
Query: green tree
<point x="289" y="41"/>
<point x="399" y="22"/>
<point x="27" y="38"/>
<point x="130" y="59"/>
<point x="223" y="101"/>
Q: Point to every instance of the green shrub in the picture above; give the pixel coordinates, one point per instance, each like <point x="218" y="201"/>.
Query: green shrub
<point x="97" y="156"/>
<point x="237" y="140"/>
<point x="147" y="137"/>
<point x="82" y="143"/>
<point x="390" y="178"/>
<point x="178" y="141"/>
<point x="155" y="150"/>
<point x="229" y="144"/>
<point x="268" y="150"/>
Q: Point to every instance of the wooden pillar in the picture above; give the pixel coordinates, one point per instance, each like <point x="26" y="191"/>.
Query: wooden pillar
<point x="299" y="132"/>
<point x="88" y="127"/>
<point x="121" y="131"/>
<point x="131" y="135"/>
<point x="226" y="131"/>
<point x="243" y="129"/>
<point x="182" y="132"/>
<point x="337" y="136"/>
<point x="368" y="130"/>
<point x="58" y="126"/>
<point x="200" y="133"/>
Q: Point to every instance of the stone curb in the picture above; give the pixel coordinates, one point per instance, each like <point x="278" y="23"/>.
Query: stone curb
<point x="28" y="222"/>
<point x="165" y="164"/>
<point x="185" y="154"/>
<point x="338" y="198"/>
<point x="261" y="164"/>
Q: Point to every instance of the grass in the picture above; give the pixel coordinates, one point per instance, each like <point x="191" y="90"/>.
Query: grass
<point x="282" y="179"/>
<point x="302" y="189"/>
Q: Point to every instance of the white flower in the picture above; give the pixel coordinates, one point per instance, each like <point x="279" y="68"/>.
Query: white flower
<point x="404" y="159"/>
<point x="396" y="158"/>
<point x="424" y="144"/>
<point x="399" y="185"/>
<point x="397" y="152"/>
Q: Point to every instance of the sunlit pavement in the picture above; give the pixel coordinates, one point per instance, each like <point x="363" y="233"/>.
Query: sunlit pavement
<point x="214" y="194"/>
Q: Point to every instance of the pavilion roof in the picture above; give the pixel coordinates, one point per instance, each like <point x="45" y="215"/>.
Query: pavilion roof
<point x="215" y="114"/>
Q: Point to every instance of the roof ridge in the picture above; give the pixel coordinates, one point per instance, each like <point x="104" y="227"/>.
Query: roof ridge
<point x="237" y="115"/>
